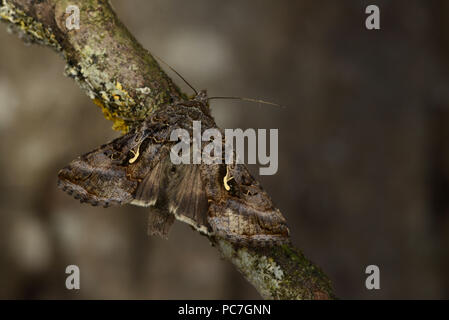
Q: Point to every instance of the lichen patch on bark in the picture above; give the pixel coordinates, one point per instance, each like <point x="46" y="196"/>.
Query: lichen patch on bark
<point x="30" y="30"/>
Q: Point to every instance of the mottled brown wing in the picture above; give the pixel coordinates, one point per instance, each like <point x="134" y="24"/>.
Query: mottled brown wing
<point x="149" y="189"/>
<point x="239" y="209"/>
<point x="111" y="174"/>
<point x="139" y="172"/>
<point x="160" y="222"/>
<point x="130" y="169"/>
<point x="186" y="196"/>
<point x="98" y="178"/>
<point x="174" y="190"/>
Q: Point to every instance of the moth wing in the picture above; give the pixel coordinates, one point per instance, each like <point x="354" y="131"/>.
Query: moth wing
<point x="160" y="222"/>
<point x="149" y="189"/>
<point x="240" y="210"/>
<point x="97" y="179"/>
<point x="110" y="175"/>
<point x="186" y="195"/>
<point x="152" y="191"/>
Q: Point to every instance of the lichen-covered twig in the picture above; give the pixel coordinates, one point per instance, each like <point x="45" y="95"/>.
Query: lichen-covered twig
<point x="115" y="71"/>
<point x="121" y="77"/>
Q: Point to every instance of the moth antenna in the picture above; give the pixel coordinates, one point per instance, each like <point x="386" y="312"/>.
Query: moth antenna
<point x="249" y="100"/>
<point x="177" y="73"/>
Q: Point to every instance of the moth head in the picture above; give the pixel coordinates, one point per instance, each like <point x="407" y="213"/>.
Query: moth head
<point x="203" y="101"/>
<point x="202" y="96"/>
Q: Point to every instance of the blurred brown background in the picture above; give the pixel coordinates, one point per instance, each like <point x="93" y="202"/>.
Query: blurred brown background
<point x="363" y="153"/>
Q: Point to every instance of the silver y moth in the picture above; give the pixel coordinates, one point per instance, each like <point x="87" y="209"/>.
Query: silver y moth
<point x="219" y="200"/>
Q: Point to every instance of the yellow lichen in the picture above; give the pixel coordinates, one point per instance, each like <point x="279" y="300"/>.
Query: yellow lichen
<point x="119" y="123"/>
<point x="27" y="25"/>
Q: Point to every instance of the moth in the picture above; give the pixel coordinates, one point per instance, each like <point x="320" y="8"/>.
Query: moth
<point x="221" y="201"/>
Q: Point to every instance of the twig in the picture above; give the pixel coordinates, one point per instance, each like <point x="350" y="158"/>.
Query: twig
<point x="121" y="77"/>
